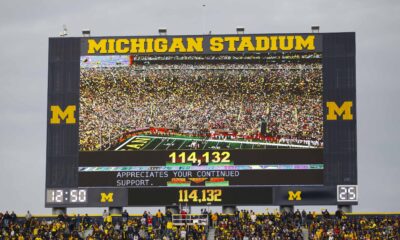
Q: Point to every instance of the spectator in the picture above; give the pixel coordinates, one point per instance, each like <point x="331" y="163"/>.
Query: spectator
<point x="214" y="219"/>
<point x="105" y="215"/>
<point x="125" y="216"/>
<point x="6" y="219"/>
<point x="159" y="217"/>
<point x="183" y="215"/>
<point x="13" y="217"/>
<point x="28" y="216"/>
<point x="183" y="233"/>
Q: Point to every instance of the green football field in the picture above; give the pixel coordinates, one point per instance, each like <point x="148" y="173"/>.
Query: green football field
<point x="144" y="142"/>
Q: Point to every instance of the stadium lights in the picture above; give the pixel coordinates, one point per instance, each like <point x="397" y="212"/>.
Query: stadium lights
<point x="162" y="31"/>
<point x="64" y="33"/>
<point x="86" y="32"/>
<point x="315" y="29"/>
<point x="240" y="30"/>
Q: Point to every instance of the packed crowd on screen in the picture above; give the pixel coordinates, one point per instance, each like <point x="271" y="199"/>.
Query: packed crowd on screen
<point x="201" y="96"/>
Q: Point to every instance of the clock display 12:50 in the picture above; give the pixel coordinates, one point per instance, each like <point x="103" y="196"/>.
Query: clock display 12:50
<point x="67" y="195"/>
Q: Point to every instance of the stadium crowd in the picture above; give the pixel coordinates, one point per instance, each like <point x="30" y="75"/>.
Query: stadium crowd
<point x="234" y="96"/>
<point x="243" y="224"/>
<point x="147" y="226"/>
<point x="291" y="225"/>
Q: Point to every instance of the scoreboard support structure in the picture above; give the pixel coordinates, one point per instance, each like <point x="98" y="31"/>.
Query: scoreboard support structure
<point x="115" y="210"/>
<point x="286" y="208"/>
<point x="345" y="208"/>
<point x="174" y="209"/>
<point x="58" y="210"/>
<point x="230" y="209"/>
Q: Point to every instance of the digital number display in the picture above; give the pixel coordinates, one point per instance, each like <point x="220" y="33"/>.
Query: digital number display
<point x="196" y="158"/>
<point x="55" y="196"/>
<point x="347" y="193"/>
<point x="77" y="195"/>
<point x="200" y="196"/>
<point x="66" y="196"/>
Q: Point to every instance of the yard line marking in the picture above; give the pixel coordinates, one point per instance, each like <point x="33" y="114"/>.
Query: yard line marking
<point x="182" y="144"/>
<point x="144" y="147"/>
<point x="171" y="144"/>
<point x="130" y="139"/>
<point x="157" y="145"/>
<point x="244" y="142"/>
<point x="205" y="145"/>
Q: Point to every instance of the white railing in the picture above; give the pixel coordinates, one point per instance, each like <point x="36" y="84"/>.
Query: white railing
<point x="190" y="219"/>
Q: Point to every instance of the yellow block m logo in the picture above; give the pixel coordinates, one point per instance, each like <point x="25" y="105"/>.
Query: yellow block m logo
<point x="294" y="195"/>
<point x="106" y="197"/>
<point x="343" y="111"/>
<point x="57" y="114"/>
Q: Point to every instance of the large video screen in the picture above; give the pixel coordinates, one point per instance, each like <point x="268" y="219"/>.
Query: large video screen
<point x="221" y="120"/>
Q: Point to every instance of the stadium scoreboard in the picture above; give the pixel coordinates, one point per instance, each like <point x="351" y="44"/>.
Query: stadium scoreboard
<point x="252" y="119"/>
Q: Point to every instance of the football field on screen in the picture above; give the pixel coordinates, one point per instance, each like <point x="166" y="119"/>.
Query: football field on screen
<point x="146" y="142"/>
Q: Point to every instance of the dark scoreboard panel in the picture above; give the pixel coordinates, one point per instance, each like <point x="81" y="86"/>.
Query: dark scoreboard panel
<point x="201" y="178"/>
<point x="202" y="196"/>
<point x="89" y="166"/>
<point x="196" y="168"/>
<point x="199" y="157"/>
<point x="301" y="195"/>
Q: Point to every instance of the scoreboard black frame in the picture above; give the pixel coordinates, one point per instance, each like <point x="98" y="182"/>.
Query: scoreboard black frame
<point x="68" y="185"/>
